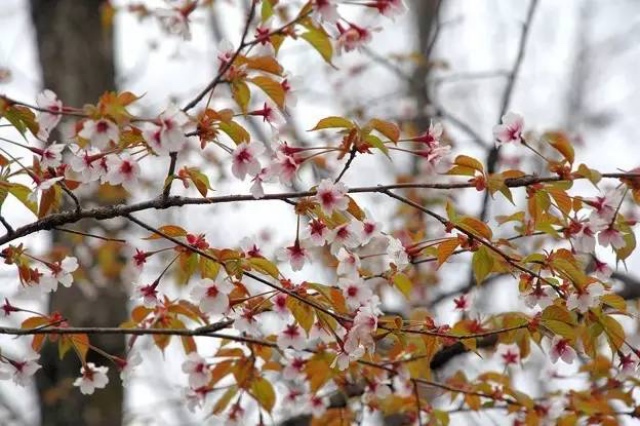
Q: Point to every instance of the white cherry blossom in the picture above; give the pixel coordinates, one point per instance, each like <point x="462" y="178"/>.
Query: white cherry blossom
<point x="92" y="378"/>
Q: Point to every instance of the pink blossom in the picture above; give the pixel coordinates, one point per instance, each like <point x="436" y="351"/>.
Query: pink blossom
<point x="250" y="247"/>
<point x="540" y="296"/>
<point x="628" y="364"/>
<point x="195" y="397"/>
<point x="356" y="292"/>
<point x="292" y="336"/>
<point x="332" y="197"/>
<point x="348" y="263"/>
<point x="122" y="170"/>
<point x="584" y="240"/>
<point x="86" y="162"/>
<point x="317" y="405"/>
<point x="370" y="229"/>
<point x="167" y="135"/>
<point x="353" y="38"/>
<point x="560" y="348"/>
<point x="462" y="303"/>
<point x="51" y="156"/>
<point x="601" y="270"/>
<point x="347" y="235"/>
<point x="325" y="11"/>
<point x="213" y="296"/>
<point x="148" y="294"/>
<point x="126" y="369"/>
<point x="100" y="132"/>
<point x="197" y="369"/>
<point x="20" y="371"/>
<point x="611" y="237"/>
<point x="296" y="254"/>
<point x="41" y="186"/>
<point x="245" y="161"/>
<point x="587" y="298"/>
<point x="59" y="272"/>
<point x="245" y="322"/>
<point x="509" y="354"/>
<point x="605" y="206"/>
<point x="7" y="308"/>
<point x="510" y="130"/>
<point x="397" y="253"/>
<point x="284" y="166"/>
<point x="390" y="8"/>
<point x="175" y="22"/>
<point x="92" y="378"/>
<point x="270" y="114"/>
<point x="293" y="370"/>
<point x="47" y="100"/>
<point x="256" y="187"/>
<point x="280" y="305"/>
<point x="315" y="233"/>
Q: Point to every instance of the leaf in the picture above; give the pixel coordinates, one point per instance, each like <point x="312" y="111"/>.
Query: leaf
<point x="476" y="227"/>
<point x="614" y="331"/>
<point x="262" y="63"/>
<point x="302" y="313"/>
<point x="235" y="131"/>
<point x="22" y="192"/>
<point x="466" y="161"/>
<point x="81" y="344"/>
<point x="209" y="268"/>
<point x="188" y="344"/>
<point x="224" y="400"/>
<point x="403" y="283"/>
<point x="482" y="263"/>
<point x="390" y="130"/>
<point x="241" y="94"/>
<point x="170" y="230"/>
<point x="376" y="142"/>
<point x="333" y="122"/>
<point x="355" y="210"/>
<point x="200" y="180"/>
<point x="560" y="141"/>
<point x="272" y="88"/>
<point x="262" y="391"/>
<point x="264" y="266"/>
<point x="615" y="301"/>
<point x="320" y="42"/>
<point x="446" y="249"/>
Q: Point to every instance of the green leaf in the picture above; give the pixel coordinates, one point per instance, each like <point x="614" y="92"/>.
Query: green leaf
<point x="403" y="283"/>
<point x="241" y="94"/>
<point x="262" y="391"/>
<point x="334" y="122"/>
<point x="482" y="263"/>
<point x="320" y="42"/>
<point x="235" y="131"/>
<point x="22" y="193"/>
<point x="272" y="88"/>
<point x="264" y="266"/>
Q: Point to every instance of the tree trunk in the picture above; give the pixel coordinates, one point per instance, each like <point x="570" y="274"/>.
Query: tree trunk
<point x="76" y="55"/>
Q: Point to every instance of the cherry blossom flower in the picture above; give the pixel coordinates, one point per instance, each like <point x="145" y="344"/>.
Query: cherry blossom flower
<point x="317" y="405"/>
<point x="284" y="167"/>
<point x="176" y="21"/>
<point x="51" y="156"/>
<point x="584" y="240"/>
<point x="122" y="170"/>
<point x="47" y="100"/>
<point x="435" y="155"/>
<point x="245" y="161"/>
<point x="41" y="186"/>
<point x="508" y="354"/>
<point x="296" y="254"/>
<point x="250" y="247"/>
<point x="195" y="397"/>
<point x="271" y="115"/>
<point x="197" y="369"/>
<point x="539" y="296"/>
<point x="288" y="85"/>
<point x="397" y="253"/>
<point x="402" y="384"/>
<point x="86" y="162"/>
<point x="510" y="130"/>
<point x="226" y="51"/>
<point x="370" y="229"/>
<point x="361" y="332"/>
<point x="601" y="270"/>
<point x="347" y="235"/>
<point x="355" y="291"/>
<point x="390" y="8"/>
<point x="257" y="189"/>
<point x="605" y="206"/>
<point x="611" y="237"/>
<point x="21" y="371"/>
<point x="60" y="272"/>
<point x="148" y="294"/>
<point x="587" y="298"/>
<point x="332" y="197"/>
<point x="292" y="336"/>
<point x="348" y="263"/>
<point x="293" y="370"/>
<point x="280" y="305"/>
<point x="325" y="11"/>
<point x="213" y="296"/>
<point x="7" y="308"/>
<point x="246" y="322"/>
<point x="315" y="233"/>
<point x="560" y="349"/>
<point x="319" y="332"/>
<point x="168" y="135"/>
<point x="628" y="364"/>
<point x="235" y="417"/>
<point x="92" y="378"/>
<point x="100" y="132"/>
<point x="462" y="303"/>
<point x="126" y="367"/>
<point x="432" y="136"/>
<point x="353" y="38"/>
<point x="344" y="358"/>
<point x="376" y="389"/>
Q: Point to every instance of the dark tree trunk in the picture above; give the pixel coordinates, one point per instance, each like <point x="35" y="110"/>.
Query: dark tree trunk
<point x="76" y="55"/>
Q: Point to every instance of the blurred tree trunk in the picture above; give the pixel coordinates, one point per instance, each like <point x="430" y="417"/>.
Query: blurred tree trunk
<point x="76" y="55"/>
